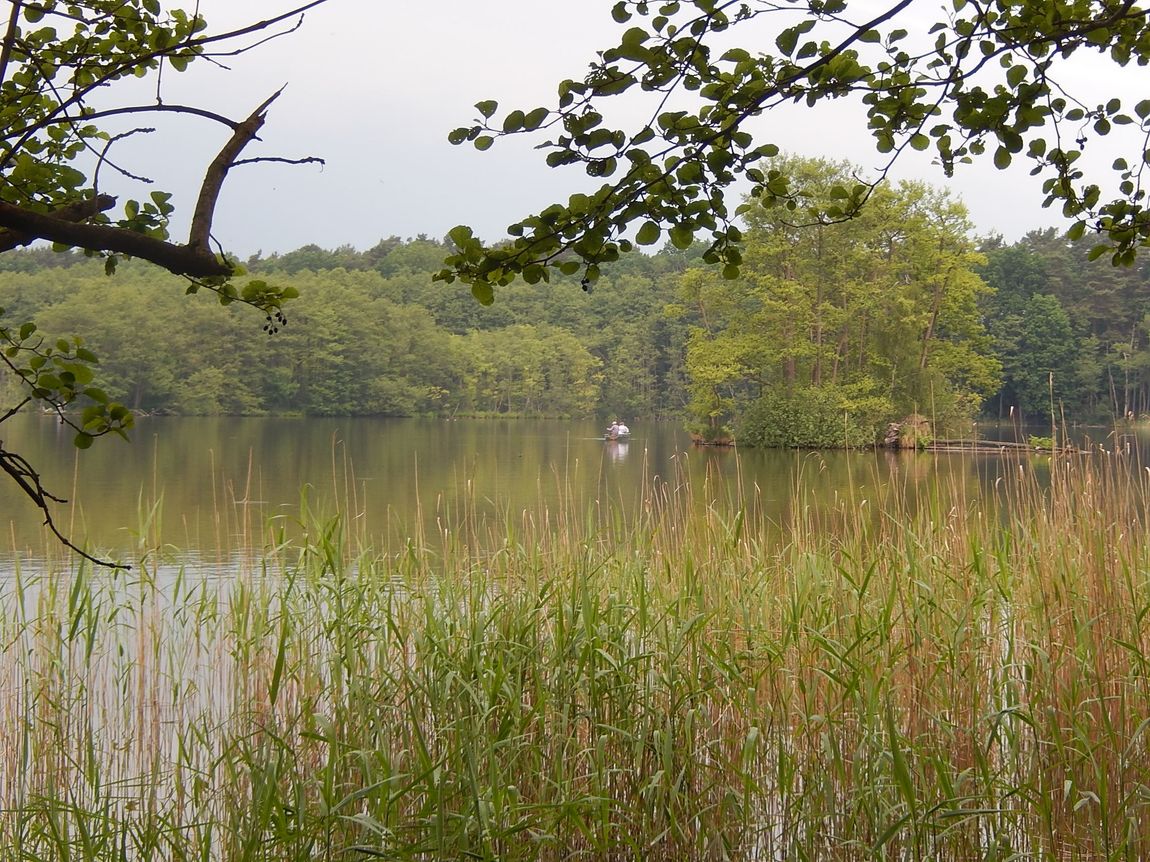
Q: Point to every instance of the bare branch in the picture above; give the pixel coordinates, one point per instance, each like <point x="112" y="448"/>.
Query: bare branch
<point x="306" y="160"/>
<point x="180" y="259"/>
<point x="9" y="38"/>
<point x="104" y="160"/>
<point x="12" y="411"/>
<point x="141" y="109"/>
<point x="258" y="25"/>
<point x="74" y="212"/>
<point x="245" y="132"/>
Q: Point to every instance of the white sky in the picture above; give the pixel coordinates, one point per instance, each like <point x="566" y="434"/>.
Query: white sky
<point x="374" y="86"/>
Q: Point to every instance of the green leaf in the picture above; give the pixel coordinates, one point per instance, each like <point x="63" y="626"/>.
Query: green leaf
<point x="83" y="440"/>
<point x="620" y="14"/>
<point x="513" y="122"/>
<point x="899" y="766"/>
<point x="634" y="38"/>
<point x="682" y="236"/>
<point x="534" y="119"/>
<point x="483" y="292"/>
<point x="484" y="142"/>
<point x="1002" y="158"/>
<point x="487" y="108"/>
<point x="648" y="234"/>
<point x="787" y="40"/>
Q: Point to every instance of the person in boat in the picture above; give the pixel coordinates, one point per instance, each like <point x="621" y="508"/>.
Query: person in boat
<point x="617" y="429"/>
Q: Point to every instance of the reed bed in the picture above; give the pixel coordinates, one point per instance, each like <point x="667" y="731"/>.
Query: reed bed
<point x="956" y="675"/>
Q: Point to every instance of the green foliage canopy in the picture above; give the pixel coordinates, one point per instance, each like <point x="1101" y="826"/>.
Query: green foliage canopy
<point x="1073" y="335"/>
<point x="877" y="316"/>
<point x="371" y="335"/>
<point x="985" y="80"/>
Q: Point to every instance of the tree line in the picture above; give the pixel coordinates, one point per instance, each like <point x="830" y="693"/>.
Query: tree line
<point x="370" y="334"/>
<point x="895" y="311"/>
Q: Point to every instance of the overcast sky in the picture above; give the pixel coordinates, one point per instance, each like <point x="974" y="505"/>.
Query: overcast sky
<point x="374" y="86"/>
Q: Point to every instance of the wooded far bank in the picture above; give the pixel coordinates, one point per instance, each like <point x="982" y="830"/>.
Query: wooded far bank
<point x="875" y="319"/>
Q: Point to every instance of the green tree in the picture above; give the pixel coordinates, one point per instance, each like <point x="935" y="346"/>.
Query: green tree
<point x="1033" y="335"/>
<point x="987" y="80"/>
<point x="1038" y="354"/>
<point x="528" y="369"/>
<point x="878" y="315"/>
<point x="1087" y="330"/>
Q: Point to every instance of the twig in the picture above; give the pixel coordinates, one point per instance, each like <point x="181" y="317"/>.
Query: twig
<point x="28" y="479"/>
<point x="10" y="38"/>
<point x="104" y="160"/>
<point x="307" y="160"/>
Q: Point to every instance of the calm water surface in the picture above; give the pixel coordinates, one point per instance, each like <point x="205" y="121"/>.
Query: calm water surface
<point x="202" y="484"/>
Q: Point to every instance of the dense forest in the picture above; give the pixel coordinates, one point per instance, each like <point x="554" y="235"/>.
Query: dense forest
<point x="896" y="311"/>
<point x="371" y="334"/>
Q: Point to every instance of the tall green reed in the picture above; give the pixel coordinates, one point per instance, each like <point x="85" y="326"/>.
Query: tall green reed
<point x="954" y="673"/>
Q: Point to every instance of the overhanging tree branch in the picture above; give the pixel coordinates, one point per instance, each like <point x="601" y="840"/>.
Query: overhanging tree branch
<point x="919" y="89"/>
<point x="179" y="259"/>
<point x="50" y="189"/>
<point x="23" y="225"/>
<point x="243" y="135"/>
<point x="77" y="212"/>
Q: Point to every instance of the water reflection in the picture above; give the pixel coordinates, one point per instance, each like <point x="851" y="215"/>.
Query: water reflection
<point x="215" y="485"/>
<point x="617" y="450"/>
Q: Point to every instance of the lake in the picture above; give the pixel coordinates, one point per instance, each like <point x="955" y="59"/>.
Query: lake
<point x="566" y="648"/>
<point x="211" y="484"/>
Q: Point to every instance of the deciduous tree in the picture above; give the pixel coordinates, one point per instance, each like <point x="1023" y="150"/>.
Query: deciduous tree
<point x="882" y="307"/>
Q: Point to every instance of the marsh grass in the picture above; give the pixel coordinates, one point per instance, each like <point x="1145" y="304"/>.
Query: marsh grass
<point x="945" y="676"/>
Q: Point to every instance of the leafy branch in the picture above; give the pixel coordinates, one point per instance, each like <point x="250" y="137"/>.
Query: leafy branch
<point x="981" y="82"/>
<point x="57" y="375"/>
<point x="54" y="56"/>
